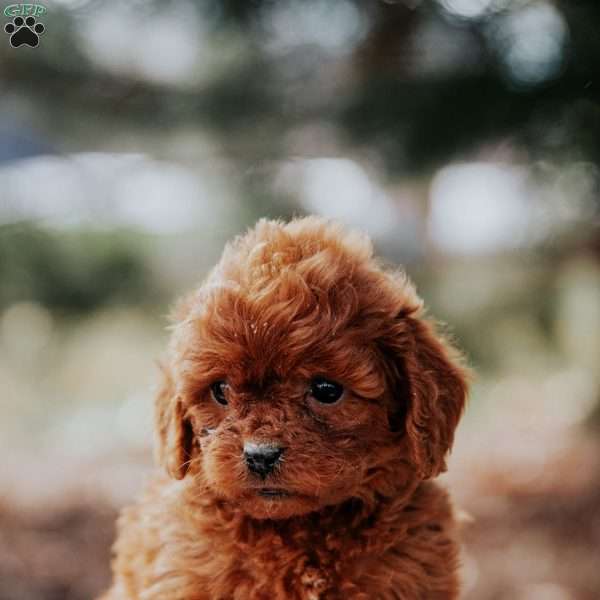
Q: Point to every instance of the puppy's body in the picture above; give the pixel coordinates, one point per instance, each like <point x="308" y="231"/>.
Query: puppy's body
<point x="176" y="545"/>
<point x="305" y="404"/>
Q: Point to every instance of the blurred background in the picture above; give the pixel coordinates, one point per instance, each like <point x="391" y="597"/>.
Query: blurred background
<point x="462" y="135"/>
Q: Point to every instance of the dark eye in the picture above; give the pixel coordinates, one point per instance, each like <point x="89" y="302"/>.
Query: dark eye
<point x="218" y="390"/>
<point x="325" y="391"/>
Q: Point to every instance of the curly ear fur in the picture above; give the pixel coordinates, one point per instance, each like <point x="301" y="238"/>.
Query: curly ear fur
<point x="433" y="384"/>
<point x="173" y="431"/>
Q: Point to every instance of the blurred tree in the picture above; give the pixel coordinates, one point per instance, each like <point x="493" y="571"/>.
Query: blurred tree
<point x="73" y="273"/>
<point x="427" y="84"/>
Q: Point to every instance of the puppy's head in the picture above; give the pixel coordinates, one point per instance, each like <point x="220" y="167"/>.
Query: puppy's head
<point x="301" y="375"/>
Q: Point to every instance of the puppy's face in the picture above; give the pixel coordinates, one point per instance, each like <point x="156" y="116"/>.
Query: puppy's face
<point x="301" y="377"/>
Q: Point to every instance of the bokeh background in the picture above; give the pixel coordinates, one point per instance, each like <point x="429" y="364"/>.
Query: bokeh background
<point x="463" y="135"/>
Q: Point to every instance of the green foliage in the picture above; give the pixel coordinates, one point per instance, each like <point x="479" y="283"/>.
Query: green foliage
<point x="414" y="119"/>
<point x="75" y="272"/>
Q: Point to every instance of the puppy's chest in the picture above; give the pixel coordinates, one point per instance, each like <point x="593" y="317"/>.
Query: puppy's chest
<point x="411" y="554"/>
<point x="268" y="568"/>
<point x="313" y="567"/>
<point x="283" y="570"/>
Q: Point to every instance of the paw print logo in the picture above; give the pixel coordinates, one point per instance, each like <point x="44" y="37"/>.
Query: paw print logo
<point x="24" y="31"/>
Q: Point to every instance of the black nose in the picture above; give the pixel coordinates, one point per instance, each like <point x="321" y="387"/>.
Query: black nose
<point x="261" y="458"/>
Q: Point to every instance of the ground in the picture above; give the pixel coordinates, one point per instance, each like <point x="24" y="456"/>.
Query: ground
<point x="529" y="534"/>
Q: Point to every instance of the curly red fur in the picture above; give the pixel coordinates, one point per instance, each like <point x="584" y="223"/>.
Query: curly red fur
<point x="285" y="304"/>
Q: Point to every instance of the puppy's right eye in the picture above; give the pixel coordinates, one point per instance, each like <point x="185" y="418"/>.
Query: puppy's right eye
<point x="326" y="391"/>
<point x="218" y="391"/>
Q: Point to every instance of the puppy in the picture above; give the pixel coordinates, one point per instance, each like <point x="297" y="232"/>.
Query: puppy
<point x="306" y="404"/>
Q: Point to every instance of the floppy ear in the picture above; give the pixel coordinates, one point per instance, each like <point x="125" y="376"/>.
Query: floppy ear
<point x="433" y="387"/>
<point x="173" y="432"/>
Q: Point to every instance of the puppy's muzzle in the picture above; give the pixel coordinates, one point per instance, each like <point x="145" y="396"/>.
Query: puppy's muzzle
<point x="261" y="459"/>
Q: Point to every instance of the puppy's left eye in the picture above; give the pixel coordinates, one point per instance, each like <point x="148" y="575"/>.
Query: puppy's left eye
<point x="326" y="391"/>
<point x="219" y="392"/>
